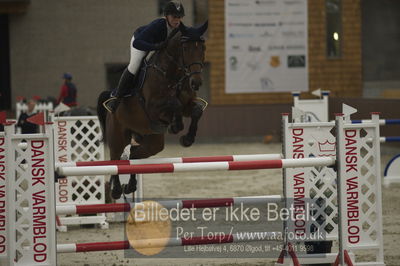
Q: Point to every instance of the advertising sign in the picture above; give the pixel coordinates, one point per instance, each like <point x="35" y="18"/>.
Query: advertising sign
<point x="266" y="46"/>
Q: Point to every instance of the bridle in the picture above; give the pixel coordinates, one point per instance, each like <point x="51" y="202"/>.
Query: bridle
<point x="177" y="86"/>
<point x="187" y="68"/>
<point x="182" y="66"/>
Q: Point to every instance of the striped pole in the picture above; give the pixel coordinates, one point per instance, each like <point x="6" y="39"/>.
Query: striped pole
<point x="389" y="139"/>
<point x="386" y="139"/>
<point x="382" y="122"/>
<point x="179" y="204"/>
<point x="223" y="158"/>
<point x="169" y="242"/>
<point x="193" y="167"/>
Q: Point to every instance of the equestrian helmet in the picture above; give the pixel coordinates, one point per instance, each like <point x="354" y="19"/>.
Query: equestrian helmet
<point x="67" y="76"/>
<point x="174" y="9"/>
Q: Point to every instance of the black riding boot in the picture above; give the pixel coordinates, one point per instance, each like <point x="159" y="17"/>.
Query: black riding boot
<point x="125" y="84"/>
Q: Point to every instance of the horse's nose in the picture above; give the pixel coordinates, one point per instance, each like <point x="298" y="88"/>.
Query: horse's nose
<point x="195" y="83"/>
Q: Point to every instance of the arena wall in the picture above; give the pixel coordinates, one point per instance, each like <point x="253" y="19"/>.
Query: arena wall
<point x="342" y="76"/>
<point x="253" y="122"/>
<point x="80" y="37"/>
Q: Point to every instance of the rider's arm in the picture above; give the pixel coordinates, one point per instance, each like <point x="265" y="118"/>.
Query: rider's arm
<point x="150" y="36"/>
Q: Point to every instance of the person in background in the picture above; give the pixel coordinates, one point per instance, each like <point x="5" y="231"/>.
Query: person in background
<point x="68" y="92"/>
<point x="27" y="127"/>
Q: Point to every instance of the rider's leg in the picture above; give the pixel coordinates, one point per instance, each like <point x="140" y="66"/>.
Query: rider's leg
<point x="126" y="81"/>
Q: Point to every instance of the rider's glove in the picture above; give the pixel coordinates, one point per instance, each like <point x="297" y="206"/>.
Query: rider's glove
<point x="160" y="46"/>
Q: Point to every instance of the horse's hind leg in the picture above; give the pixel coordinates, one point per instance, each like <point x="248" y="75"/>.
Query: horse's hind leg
<point x="117" y="144"/>
<point x="149" y="145"/>
<point x="196" y="113"/>
<point x="132" y="184"/>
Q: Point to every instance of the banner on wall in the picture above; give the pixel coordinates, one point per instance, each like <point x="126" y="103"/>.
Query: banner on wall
<point x="266" y="46"/>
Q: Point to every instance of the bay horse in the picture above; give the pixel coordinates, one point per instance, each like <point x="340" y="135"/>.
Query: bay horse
<point x="192" y="106"/>
<point x="146" y="116"/>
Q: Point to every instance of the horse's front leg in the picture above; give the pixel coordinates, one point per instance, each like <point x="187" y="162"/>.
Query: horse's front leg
<point x="195" y="115"/>
<point x="177" y="124"/>
<point x="149" y="145"/>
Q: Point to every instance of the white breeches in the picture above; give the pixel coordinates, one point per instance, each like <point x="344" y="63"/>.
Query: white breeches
<point x="136" y="58"/>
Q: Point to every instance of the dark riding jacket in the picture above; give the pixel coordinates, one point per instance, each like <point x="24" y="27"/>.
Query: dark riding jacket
<point x="146" y="37"/>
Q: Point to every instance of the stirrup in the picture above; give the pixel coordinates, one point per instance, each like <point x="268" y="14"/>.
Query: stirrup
<point x="106" y="102"/>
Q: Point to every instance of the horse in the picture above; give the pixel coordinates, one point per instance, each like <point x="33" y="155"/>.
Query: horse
<point x="147" y="115"/>
<point x="192" y="106"/>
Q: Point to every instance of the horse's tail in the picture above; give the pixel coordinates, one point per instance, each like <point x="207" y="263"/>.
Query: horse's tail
<point x="102" y="112"/>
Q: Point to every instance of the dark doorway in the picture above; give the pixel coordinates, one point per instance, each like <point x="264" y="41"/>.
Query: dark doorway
<point x="381" y="39"/>
<point x="381" y="48"/>
<point x="5" y="84"/>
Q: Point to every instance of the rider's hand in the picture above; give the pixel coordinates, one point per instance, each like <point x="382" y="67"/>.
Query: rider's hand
<point x="160" y="46"/>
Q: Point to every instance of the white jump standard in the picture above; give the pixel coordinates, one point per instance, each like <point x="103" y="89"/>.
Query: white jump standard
<point x="310" y="110"/>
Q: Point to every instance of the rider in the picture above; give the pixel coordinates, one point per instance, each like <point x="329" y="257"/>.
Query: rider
<point x="148" y="38"/>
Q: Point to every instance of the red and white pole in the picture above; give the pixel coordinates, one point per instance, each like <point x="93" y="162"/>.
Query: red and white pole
<point x="194" y="167"/>
<point x="223" y="158"/>
<point x="178" y="204"/>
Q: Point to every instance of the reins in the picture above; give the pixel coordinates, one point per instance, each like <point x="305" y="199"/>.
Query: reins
<point x="176" y="86"/>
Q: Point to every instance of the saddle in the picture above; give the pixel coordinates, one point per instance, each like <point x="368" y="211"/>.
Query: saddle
<point x="140" y="77"/>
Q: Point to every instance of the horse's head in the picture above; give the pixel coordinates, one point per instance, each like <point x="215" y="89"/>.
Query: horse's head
<point x="193" y="53"/>
<point x="180" y="62"/>
<point x="186" y="51"/>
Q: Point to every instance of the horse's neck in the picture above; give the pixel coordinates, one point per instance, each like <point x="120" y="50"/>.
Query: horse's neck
<point x="170" y="59"/>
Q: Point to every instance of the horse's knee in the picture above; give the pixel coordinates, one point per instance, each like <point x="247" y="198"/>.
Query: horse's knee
<point x="197" y="111"/>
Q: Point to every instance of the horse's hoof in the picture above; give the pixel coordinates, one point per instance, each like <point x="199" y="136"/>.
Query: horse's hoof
<point x="131" y="186"/>
<point x="116" y="193"/>
<point x="116" y="189"/>
<point x="186" y="141"/>
<point x="174" y="129"/>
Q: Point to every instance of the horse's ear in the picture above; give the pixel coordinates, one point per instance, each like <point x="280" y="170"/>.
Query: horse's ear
<point x="202" y="29"/>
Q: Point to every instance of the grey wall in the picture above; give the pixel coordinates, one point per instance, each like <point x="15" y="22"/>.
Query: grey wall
<point x="380" y="45"/>
<point x="76" y="36"/>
